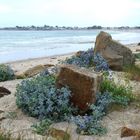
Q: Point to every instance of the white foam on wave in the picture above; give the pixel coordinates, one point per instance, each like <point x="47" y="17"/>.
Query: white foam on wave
<point x="24" y="45"/>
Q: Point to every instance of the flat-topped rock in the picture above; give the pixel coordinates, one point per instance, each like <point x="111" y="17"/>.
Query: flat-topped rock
<point x="34" y="71"/>
<point x="83" y="84"/>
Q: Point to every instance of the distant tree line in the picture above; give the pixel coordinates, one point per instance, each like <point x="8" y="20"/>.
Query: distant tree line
<point x="47" y="27"/>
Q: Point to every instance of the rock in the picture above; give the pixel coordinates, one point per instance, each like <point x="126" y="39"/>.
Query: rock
<point x="2" y="117"/>
<point x="116" y="54"/>
<point x="127" y="132"/>
<point x="59" y="134"/>
<point x="19" y="75"/>
<point x="48" y="65"/>
<point x="1" y="111"/>
<point x="34" y="71"/>
<point x="69" y="129"/>
<point x="139" y="44"/>
<point x="137" y="50"/>
<point x="4" y="91"/>
<point x="83" y="84"/>
<point x="78" y="54"/>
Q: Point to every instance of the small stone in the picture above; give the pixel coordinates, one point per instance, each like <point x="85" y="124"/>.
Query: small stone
<point x="48" y="65"/>
<point x="137" y="50"/>
<point x="34" y="71"/>
<point x="4" y="91"/>
<point x="127" y="132"/>
<point x="19" y="75"/>
<point x="59" y="134"/>
<point x="79" y="53"/>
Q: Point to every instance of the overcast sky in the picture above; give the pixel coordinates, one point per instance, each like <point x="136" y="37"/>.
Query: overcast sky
<point x="70" y="12"/>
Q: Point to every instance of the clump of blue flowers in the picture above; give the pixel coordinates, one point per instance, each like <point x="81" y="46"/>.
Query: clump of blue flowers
<point x="6" y="73"/>
<point x="90" y="124"/>
<point x="89" y="59"/>
<point x="40" y="98"/>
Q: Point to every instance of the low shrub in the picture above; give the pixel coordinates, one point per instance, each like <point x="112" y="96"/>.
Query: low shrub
<point x="3" y="137"/>
<point x="111" y="93"/>
<point x="40" y="98"/>
<point x="90" y="124"/>
<point x="42" y="127"/>
<point x="88" y="59"/>
<point x="120" y="94"/>
<point x="137" y="55"/>
<point x="7" y="137"/>
<point x="133" y="72"/>
<point x="6" y="73"/>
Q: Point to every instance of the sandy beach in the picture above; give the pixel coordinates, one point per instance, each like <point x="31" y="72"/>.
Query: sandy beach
<point x="22" y="122"/>
<point x="23" y="65"/>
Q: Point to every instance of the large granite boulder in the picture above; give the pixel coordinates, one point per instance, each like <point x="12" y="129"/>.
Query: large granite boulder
<point x="116" y="54"/>
<point x="83" y="84"/>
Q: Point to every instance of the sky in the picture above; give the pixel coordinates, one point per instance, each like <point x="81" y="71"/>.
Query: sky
<point x="69" y="13"/>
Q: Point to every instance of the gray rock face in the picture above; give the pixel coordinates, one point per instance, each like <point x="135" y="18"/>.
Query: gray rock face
<point x="83" y="84"/>
<point x="116" y="54"/>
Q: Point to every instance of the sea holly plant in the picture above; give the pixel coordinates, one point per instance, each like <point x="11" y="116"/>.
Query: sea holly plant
<point x="6" y="73"/>
<point x="88" y="59"/>
<point x="100" y="63"/>
<point x="90" y="124"/>
<point x="39" y="97"/>
<point x="42" y="127"/>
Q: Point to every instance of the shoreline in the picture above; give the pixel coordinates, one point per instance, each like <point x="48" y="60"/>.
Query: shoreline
<point x="133" y="47"/>
<point x="37" y="58"/>
<point x="23" y="65"/>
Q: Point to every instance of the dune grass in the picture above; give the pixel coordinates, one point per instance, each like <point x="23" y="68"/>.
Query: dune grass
<point x="137" y="56"/>
<point x="7" y="137"/>
<point x="133" y="72"/>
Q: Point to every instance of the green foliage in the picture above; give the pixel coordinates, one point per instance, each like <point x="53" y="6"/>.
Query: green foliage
<point x="11" y="115"/>
<point x="133" y="72"/>
<point x="3" y="137"/>
<point x="39" y="97"/>
<point x="42" y="127"/>
<point x="120" y="94"/>
<point x="89" y="59"/>
<point x="111" y="93"/>
<point x="7" y="137"/>
<point x="90" y="124"/>
<point x="137" y="55"/>
<point x="6" y="73"/>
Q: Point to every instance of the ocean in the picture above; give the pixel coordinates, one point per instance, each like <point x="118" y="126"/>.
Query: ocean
<point x="20" y="45"/>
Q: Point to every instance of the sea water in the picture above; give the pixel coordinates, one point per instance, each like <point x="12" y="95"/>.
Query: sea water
<point x="20" y="45"/>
